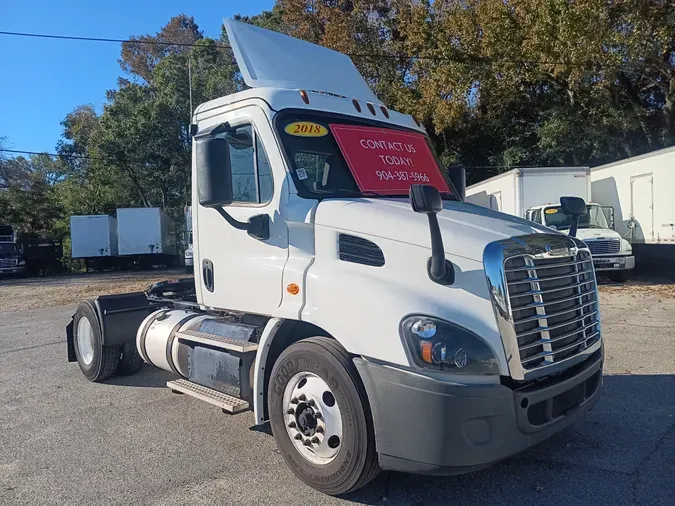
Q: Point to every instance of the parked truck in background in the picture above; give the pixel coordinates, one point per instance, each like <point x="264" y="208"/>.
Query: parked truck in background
<point x="438" y="339"/>
<point x="147" y="235"/>
<point x="534" y="193"/>
<point x="640" y="192"/>
<point x="11" y="260"/>
<point x="188" y="255"/>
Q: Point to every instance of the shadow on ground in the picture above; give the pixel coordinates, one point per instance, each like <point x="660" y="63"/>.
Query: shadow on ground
<point x="622" y="452"/>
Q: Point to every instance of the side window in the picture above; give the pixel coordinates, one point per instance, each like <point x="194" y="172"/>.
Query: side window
<point x="251" y="172"/>
<point x="536" y="216"/>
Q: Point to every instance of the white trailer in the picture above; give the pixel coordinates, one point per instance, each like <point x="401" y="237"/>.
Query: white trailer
<point x="413" y="333"/>
<point x="640" y="189"/>
<point x="516" y="191"/>
<point x="93" y="236"/>
<point x="145" y="231"/>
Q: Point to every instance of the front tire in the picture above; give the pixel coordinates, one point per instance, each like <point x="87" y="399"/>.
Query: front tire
<point x="97" y="362"/>
<point x="320" y="417"/>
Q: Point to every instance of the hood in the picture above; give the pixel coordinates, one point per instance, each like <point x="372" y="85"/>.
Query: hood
<point x="466" y="228"/>
<point x="597" y="234"/>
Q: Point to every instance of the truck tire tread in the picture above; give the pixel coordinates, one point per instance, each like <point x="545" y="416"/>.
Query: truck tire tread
<point x="130" y="360"/>
<point x="330" y="354"/>
<point x="106" y="358"/>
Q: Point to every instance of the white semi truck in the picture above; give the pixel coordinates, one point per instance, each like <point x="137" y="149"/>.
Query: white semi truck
<point x="371" y="335"/>
<point x="534" y="193"/>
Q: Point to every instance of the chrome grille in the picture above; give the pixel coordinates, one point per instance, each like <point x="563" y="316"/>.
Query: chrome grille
<point x="8" y="262"/>
<point x="554" y="306"/>
<point x="604" y="246"/>
<point x="543" y="291"/>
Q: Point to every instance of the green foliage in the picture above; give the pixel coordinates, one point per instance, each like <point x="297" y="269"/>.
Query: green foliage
<point x="497" y="83"/>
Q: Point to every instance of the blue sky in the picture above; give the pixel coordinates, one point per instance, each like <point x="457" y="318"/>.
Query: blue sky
<point x="42" y="80"/>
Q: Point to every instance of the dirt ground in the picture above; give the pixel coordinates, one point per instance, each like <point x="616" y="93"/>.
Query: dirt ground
<point x="32" y="293"/>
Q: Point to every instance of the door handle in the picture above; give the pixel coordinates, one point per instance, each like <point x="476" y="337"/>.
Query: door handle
<point x="207" y="275"/>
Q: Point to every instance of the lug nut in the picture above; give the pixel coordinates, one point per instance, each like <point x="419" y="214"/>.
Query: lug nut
<point x="311" y="402"/>
<point x="302" y="397"/>
<point x="291" y="411"/>
<point x="294" y="400"/>
<point x="319" y="429"/>
<point x="298" y="437"/>
<point x="306" y="442"/>
<point x="292" y="425"/>
<point x="318" y="415"/>
<point x="315" y="440"/>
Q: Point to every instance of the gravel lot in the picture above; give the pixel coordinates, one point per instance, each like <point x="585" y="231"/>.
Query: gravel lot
<point x="65" y="440"/>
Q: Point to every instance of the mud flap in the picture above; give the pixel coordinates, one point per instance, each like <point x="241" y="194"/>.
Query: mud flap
<point x="70" y="342"/>
<point x="121" y="315"/>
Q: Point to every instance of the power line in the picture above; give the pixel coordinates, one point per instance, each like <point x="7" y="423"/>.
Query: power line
<point x="101" y="39"/>
<point x="462" y="60"/>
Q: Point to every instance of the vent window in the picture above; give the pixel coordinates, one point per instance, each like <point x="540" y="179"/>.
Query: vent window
<point x="359" y="251"/>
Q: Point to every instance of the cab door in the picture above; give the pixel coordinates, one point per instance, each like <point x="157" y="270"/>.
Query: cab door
<point x="234" y="270"/>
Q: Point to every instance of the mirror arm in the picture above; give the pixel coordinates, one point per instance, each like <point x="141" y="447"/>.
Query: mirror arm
<point x="574" y="226"/>
<point x="257" y="226"/>
<point x="239" y="225"/>
<point x="437" y="267"/>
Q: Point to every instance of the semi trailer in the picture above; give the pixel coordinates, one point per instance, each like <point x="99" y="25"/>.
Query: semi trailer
<point x="345" y="293"/>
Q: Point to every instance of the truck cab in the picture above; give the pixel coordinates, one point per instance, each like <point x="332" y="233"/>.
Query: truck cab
<point x="11" y="259"/>
<point x="345" y="292"/>
<point x="611" y="253"/>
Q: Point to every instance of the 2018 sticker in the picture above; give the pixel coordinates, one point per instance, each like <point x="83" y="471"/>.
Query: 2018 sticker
<point x="306" y="129"/>
<point x="551" y="210"/>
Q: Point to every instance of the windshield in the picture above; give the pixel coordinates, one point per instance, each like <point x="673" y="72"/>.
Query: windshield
<point x="7" y="249"/>
<point x="594" y="218"/>
<point x="332" y="156"/>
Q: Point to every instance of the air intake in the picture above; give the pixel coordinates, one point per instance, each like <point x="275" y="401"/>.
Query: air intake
<point x="359" y="251"/>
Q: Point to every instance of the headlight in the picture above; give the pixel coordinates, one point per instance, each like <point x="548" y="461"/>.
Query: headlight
<point x="438" y="345"/>
<point x="188" y="254"/>
<point x="22" y="262"/>
<point x="625" y="246"/>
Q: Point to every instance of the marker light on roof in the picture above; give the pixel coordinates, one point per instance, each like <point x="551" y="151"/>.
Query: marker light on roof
<point x="371" y="108"/>
<point x="385" y="111"/>
<point x="357" y="106"/>
<point x="305" y="97"/>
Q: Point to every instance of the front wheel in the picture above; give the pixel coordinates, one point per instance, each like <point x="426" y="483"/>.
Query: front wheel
<point x="320" y="417"/>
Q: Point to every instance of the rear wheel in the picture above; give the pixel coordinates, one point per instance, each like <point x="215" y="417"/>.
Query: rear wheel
<point x="320" y="417"/>
<point x="130" y="360"/>
<point x="97" y="362"/>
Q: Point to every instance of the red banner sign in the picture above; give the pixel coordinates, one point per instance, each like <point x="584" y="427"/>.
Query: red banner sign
<point x="388" y="161"/>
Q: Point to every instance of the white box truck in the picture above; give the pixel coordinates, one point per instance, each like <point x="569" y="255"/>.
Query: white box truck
<point x="345" y="292"/>
<point x="145" y="231"/>
<point x="93" y="236"/>
<point x="534" y="193"/>
<point x="640" y="189"/>
<point x="517" y="190"/>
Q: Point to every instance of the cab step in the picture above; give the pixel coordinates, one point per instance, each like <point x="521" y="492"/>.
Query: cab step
<point x="216" y="341"/>
<point x="227" y="403"/>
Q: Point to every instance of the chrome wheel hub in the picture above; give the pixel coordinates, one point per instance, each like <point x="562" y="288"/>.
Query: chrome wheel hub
<point x="312" y="418"/>
<point x="85" y="340"/>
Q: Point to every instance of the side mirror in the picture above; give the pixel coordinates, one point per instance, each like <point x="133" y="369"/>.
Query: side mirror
<point x="609" y="214"/>
<point x="574" y="207"/>
<point x="426" y="199"/>
<point x="457" y="174"/>
<point x="214" y="173"/>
